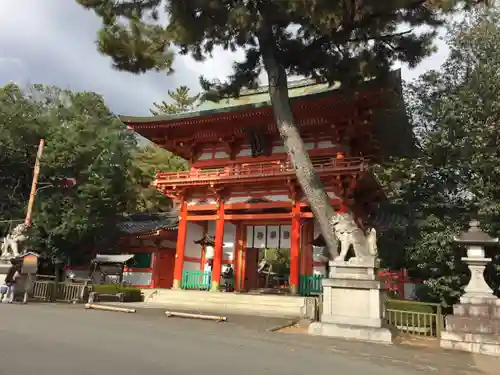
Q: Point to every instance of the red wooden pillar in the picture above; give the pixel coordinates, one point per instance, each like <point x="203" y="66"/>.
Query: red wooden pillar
<point x="181" y="244"/>
<point x="295" y="249"/>
<point x="238" y="248"/>
<point x="154" y="274"/>
<point x="219" y="246"/>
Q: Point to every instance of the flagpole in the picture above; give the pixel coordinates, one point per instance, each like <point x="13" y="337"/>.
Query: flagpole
<point x="36" y="172"/>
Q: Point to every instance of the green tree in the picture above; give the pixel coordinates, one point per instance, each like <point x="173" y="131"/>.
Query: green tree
<point x="21" y="127"/>
<point x="328" y="40"/>
<point x="84" y="140"/>
<point x="146" y="163"/>
<point x="182" y="102"/>
<point x="455" y="111"/>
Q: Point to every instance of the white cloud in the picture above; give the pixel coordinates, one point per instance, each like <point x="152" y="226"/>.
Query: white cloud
<point x="53" y="42"/>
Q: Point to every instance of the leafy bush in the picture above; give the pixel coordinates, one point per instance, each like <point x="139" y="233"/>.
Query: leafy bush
<point x="130" y="294"/>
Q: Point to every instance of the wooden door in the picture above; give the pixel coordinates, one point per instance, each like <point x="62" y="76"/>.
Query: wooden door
<point x="165" y="268"/>
<point x="251" y="266"/>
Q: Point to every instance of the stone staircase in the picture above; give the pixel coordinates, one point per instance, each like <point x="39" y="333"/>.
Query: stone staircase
<point x="230" y="303"/>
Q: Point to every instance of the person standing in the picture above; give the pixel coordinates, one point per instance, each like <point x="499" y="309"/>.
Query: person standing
<point x="11" y="278"/>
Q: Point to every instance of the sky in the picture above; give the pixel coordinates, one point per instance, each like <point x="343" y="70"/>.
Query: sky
<point x="52" y="42"/>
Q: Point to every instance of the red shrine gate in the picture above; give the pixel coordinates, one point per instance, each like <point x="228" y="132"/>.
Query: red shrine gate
<point x="240" y="178"/>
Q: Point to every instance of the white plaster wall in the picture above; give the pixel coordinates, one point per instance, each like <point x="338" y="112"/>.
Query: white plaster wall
<point x="327" y="143"/>
<point x="194" y="233"/>
<point x="229" y="241"/>
<point x="278" y="198"/>
<point x="138" y="278"/>
<point x="221" y="155"/>
<point x="229" y="238"/>
<point x="238" y="199"/>
<point x="195" y="201"/>
<point x="191" y="266"/>
<point x="205" y="156"/>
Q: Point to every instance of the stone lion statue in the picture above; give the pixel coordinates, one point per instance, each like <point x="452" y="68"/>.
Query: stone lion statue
<point x="12" y="243"/>
<point x="349" y="233"/>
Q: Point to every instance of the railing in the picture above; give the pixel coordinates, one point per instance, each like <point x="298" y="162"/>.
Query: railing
<point x="263" y="169"/>
<point x="43" y="290"/>
<point x="200" y="280"/>
<point x="415" y="318"/>
<point x="310" y="285"/>
<point x="49" y="290"/>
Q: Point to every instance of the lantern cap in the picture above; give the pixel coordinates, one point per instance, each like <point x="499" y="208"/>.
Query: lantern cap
<point x="475" y="236"/>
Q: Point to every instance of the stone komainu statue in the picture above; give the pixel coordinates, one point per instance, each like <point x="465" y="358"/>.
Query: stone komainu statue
<point x="349" y="233"/>
<point x="12" y="244"/>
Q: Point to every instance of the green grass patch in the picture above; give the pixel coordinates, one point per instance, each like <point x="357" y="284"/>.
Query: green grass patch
<point x="411" y="314"/>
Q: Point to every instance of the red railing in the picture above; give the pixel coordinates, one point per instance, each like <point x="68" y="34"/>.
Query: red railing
<point x="277" y="168"/>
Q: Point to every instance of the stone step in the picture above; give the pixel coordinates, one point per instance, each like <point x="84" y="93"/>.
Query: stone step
<point x="480" y="325"/>
<point x="484" y="310"/>
<point x="279" y="304"/>
<point x="264" y="305"/>
<point x="239" y="298"/>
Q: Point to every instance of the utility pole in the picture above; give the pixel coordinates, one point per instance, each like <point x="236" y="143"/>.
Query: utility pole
<point x="36" y="172"/>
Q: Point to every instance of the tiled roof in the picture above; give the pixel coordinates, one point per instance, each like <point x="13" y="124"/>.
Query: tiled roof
<point x="259" y="98"/>
<point x="146" y="223"/>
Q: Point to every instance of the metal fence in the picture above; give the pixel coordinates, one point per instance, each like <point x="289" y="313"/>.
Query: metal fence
<point x="200" y="280"/>
<point x="415" y="318"/>
<point x="50" y="290"/>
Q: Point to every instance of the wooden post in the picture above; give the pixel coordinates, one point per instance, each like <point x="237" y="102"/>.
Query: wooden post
<point x="219" y="246"/>
<point x="238" y="248"/>
<point x="295" y="249"/>
<point x="36" y="172"/>
<point x="181" y="244"/>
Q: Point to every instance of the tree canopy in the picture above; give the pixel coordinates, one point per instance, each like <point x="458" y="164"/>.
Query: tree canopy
<point x="83" y="140"/>
<point x="146" y="162"/>
<point x="455" y="112"/>
<point x="181" y="99"/>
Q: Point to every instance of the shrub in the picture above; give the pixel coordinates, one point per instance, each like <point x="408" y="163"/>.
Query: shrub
<point x="130" y="294"/>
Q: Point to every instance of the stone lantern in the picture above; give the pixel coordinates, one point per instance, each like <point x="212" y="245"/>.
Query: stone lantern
<point x="475" y="241"/>
<point x="475" y="323"/>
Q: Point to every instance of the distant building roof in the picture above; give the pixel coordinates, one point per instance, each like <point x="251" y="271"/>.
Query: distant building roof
<point x="141" y="223"/>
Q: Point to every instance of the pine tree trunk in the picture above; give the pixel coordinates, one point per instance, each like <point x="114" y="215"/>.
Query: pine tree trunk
<point x="319" y="201"/>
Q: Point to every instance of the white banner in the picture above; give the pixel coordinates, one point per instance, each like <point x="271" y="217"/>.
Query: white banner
<point x="285" y="231"/>
<point x="273" y="236"/>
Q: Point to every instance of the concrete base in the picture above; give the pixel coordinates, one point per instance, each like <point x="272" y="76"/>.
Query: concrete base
<point x="480" y="343"/>
<point x="351" y="332"/>
<point x="475" y="324"/>
<point x="353" y="303"/>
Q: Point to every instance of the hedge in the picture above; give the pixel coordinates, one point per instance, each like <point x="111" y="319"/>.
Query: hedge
<point x="129" y="294"/>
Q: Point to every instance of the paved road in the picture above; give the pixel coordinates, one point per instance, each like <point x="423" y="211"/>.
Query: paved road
<point x="45" y="339"/>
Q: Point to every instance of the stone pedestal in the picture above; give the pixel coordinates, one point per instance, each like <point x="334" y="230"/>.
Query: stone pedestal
<point x="353" y="304"/>
<point x="475" y="324"/>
